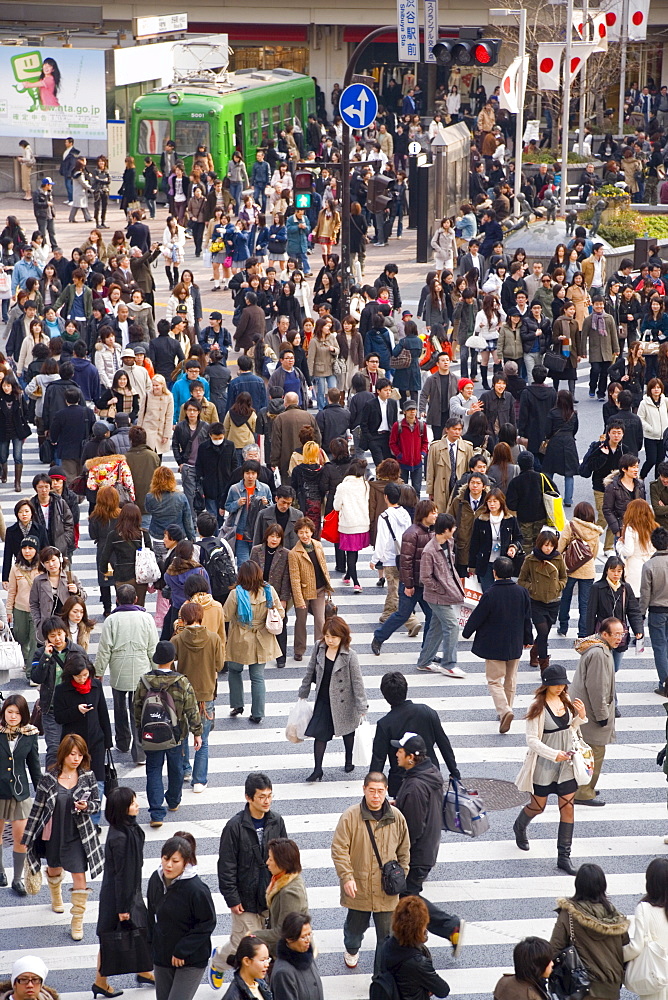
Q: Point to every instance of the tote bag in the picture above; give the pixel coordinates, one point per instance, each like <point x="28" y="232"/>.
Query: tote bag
<point x="124" y="950"/>
<point x="363" y="744"/>
<point x="146" y="565"/>
<point x="583" y="759"/>
<point x="11" y="655"/>
<point x="273" y="622"/>
<point x="554" y="505"/>
<point x="648" y="973"/>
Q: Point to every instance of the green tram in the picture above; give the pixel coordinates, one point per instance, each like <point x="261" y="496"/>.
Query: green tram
<point x="241" y="110"/>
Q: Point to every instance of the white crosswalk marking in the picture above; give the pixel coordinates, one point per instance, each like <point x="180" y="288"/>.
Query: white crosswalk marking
<point x="502" y="893"/>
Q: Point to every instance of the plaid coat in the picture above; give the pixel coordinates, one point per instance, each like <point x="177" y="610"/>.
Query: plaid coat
<point x="42" y="811"/>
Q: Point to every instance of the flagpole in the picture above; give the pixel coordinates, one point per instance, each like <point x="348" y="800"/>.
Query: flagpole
<point x="583" y="79"/>
<point x="566" y="108"/>
<point x="622" y="69"/>
<point x="520" y="84"/>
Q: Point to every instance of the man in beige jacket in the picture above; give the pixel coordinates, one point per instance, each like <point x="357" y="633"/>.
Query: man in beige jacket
<point x="442" y="472"/>
<point x="358" y="870"/>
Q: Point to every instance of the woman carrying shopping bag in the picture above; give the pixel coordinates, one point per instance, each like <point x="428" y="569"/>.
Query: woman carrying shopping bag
<point x="340" y="698"/>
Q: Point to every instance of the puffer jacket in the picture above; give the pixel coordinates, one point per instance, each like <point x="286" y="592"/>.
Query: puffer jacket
<point x="352" y="501"/>
<point x="543" y="578"/>
<point x="599" y="935"/>
<point x="438" y="576"/>
<point x="110" y="470"/>
<point x="589" y="532"/>
<point x="413" y="543"/>
<point x="654" y="418"/>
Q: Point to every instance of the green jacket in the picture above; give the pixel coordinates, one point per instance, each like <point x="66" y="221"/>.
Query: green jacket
<point x="183" y="695"/>
<point x="66" y="298"/>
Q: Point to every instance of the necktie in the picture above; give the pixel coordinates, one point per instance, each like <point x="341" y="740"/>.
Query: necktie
<point x="453" y="465"/>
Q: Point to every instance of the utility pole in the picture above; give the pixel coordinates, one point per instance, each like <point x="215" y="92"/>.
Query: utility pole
<point x="566" y="90"/>
<point x="622" y="69"/>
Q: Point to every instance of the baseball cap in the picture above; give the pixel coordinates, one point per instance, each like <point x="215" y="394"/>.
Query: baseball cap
<point x="215" y="315"/>
<point x="46" y="180"/>
<point x="127" y="352"/>
<point x="165" y="652"/>
<point x="410" y="743"/>
<point x="410" y="404"/>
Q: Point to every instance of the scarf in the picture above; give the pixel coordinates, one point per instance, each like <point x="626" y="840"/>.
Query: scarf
<point x="82" y="688"/>
<point x="598" y="322"/>
<point x="539" y="554"/>
<point x="244" y="609"/>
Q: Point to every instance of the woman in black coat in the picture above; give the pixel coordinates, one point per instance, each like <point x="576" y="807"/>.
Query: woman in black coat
<point x="121" y="894"/>
<point x="181" y="920"/>
<point x="294" y="974"/>
<point x="25" y="525"/>
<point x="492" y="538"/>
<point x="561" y="453"/>
<point x="405" y="956"/>
<point x="612" y="597"/>
<point x="14" y="426"/>
<point x="19" y="755"/>
<point x="288" y="305"/>
<point x="79" y="706"/>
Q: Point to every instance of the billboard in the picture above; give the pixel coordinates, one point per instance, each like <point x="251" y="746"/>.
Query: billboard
<point x="52" y="92"/>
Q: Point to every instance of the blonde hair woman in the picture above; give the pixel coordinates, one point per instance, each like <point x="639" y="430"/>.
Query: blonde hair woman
<point x="635" y="545"/>
<point x="156" y="415"/>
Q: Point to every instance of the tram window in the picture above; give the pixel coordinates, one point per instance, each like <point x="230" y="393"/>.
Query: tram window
<point x="153" y="134"/>
<point x="310" y="105"/>
<point x="189" y="135"/>
<point x="287" y="114"/>
<point x="254" y="128"/>
<point x="299" y="111"/>
<point x="276" y="120"/>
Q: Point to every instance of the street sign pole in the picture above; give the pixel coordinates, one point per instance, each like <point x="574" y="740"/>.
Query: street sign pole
<point x="345" y="164"/>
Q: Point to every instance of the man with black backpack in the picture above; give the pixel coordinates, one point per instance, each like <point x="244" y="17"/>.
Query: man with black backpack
<point x="165" y="709"/>
<point x="216" y="556"/>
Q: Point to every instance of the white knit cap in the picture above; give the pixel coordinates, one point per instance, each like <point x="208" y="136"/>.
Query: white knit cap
<point x="29" y="963"/>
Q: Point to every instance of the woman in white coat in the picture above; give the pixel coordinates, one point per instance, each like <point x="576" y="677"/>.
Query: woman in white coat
<point x="487" y="325"/>
<point x="352" y="502"/>
<point x="650" y="924"/>
<point x="551" y="720"/>
<point x="444" y="246"/>
<point x="653" y="412"/>
<point x="635" y="545"/>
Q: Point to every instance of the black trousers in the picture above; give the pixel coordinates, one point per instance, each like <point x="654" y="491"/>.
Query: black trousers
<point x="598" y="377"/>
<point x="48" y="226"/>
<point x="440" y="923"/>
<point x="379" y="446"/>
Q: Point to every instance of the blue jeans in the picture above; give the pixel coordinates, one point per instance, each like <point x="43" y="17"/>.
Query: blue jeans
<point x="403" y="613"/>
<point x="658" y="633"/>
<point x="211" y="506"/>
<point x="323" y="382"/>
<point x="200" y="768"/>
<point x="306" y="267"/>
<point x="584" y="590"/>
<point x="68" y="188"/>
<point x="486" y="579"/>
<point x="96" y="817"/>
<point x="236" y="191"/>
<point x="256" y="671"/>
<point x="17" y="447"/>
<point x="569" y="482"/>
<point x="155" y="788"/>
<point x="242" y="551"/>
<point x="443" y="631"/>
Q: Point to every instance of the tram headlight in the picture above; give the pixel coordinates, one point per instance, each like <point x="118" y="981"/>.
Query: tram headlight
<point x="174" y="98"/>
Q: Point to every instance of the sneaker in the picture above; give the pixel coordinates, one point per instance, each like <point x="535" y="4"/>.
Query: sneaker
<point x="357" y="588"/>
<point x="429" y="668"/>
<point x="592" y="395"/>
<point x="452" y="671"/>
<point x="415" y="630"/>
<point x="437" y="658"/>
<point x="213" y="977"/>
<point x="346" y="581"/>
<point x="198" y="787"/>
<point x="174" y="809"/>
<point x="187" y="777"/>
<point x="351" y="960"/>
<point x="156" y="824"/>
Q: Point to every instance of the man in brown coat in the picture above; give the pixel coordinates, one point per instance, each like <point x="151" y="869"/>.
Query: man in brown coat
<point x="143" y="462"/>
<point x="252" y="322"/>
<point x="357" y="869"/>
<point x="285" y="434"/>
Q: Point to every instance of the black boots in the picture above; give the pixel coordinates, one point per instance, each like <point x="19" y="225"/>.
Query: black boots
<point x="3" y="472"/>
<point x="520" y="830"/>
<point x="564" y="842"/>
<point x="483" y="375"/>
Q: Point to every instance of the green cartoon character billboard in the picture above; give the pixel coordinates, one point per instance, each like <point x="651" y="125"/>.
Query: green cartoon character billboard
<point x="40" y="78"/>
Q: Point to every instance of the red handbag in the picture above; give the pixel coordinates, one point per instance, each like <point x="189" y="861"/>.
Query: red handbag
<point x="330" y="527"/>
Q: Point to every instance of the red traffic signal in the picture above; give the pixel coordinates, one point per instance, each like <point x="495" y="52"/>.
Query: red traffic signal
<point x="303" y="180"/>
<point x="469" y="49"/>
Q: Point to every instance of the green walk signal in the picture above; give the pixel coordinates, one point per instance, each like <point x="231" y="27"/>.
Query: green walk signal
<point x="302" y="199"/>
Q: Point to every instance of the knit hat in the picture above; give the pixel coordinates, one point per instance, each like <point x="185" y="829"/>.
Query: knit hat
<point x="100" y="429"/>
<point x="165" y="652"/>
<point x="510" y="368"/>
<point x="29" y="963"/>
<point x="56" y="472"/>
<point x="462" y="382"/>
<point x="30" y="542"/>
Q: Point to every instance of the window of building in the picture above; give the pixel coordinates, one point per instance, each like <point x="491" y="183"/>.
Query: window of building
<point x="189" y="135"/>
<point x="294" y="57"/>
<point x="123" y="98"/>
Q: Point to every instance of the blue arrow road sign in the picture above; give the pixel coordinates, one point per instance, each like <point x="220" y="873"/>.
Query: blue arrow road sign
<point x="358" y="105"/>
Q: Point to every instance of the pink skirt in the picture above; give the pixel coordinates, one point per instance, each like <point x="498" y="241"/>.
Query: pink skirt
<point x="353" y="543"/>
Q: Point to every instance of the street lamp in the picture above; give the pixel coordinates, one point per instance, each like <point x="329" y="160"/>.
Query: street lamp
<point x="521" y="86"/>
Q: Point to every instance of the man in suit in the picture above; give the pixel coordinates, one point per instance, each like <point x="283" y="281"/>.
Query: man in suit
<point x="447" y="461"/>
<point x="67" y="166"/>
<point x="377" y="419"/>
<point x="436" y="394"/>
<point x="593" y="271"/>
<point x="138" y="233"/>
<point x="599" y="333"/>
<point x="472" y="259"/>
<point x="124" y="277"/>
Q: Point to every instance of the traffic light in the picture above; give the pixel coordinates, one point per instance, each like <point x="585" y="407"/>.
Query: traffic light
<point x="303" y="185"/>
<point x="378" y="197"/>
<point x="468" y="49"/>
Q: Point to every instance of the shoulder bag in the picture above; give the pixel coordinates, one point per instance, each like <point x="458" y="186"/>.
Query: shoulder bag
<point x="577" y="552"/>
<point x="569" y="979"/>
<point x="392" y="876"/>
<point x="146" y="564"/>
<point x="555" y="363"/>
<point x="273" y="622"/>
<point x="110" y="774"/>
<point x="397" y="557"/>
<point x="582" y="760"/>
<point x="402" y="360"/>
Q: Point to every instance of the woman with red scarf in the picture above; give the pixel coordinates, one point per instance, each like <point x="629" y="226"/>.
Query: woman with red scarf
<point x="79" y="706"/>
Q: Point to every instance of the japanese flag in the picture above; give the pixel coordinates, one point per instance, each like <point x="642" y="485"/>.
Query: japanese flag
<point x="513" y="84"/>
<point x="548" y="65"/>
<point x="578" y="23"/>
<point x="613" y="18"/>
<point x="637" y="23"/>
<point x="580" y="52"/>
<point x="600" y="33"/>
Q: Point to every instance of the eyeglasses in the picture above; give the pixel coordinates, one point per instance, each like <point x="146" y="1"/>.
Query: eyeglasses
<point x="28" y="980"/>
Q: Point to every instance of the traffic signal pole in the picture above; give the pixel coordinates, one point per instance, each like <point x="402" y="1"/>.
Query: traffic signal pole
<point x="345" y="166"/>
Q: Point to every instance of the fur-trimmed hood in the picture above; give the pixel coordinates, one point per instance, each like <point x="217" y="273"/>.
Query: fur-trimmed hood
<point x="595" y="917"/>
<point x="285" y="878"/>
<point x="582" y="645"/>
<point x="92" y="463"/>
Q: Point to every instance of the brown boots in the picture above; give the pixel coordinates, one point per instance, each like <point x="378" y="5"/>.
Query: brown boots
<point x="533" y="656"/>
<point x="78" y="908"/>
<point x="18" y="469"/>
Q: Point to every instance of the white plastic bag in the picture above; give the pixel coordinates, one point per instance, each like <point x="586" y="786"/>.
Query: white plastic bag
<point x="298" y="720"/>
<point x="363" y="744"/>
<point x="472" y="591"/>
